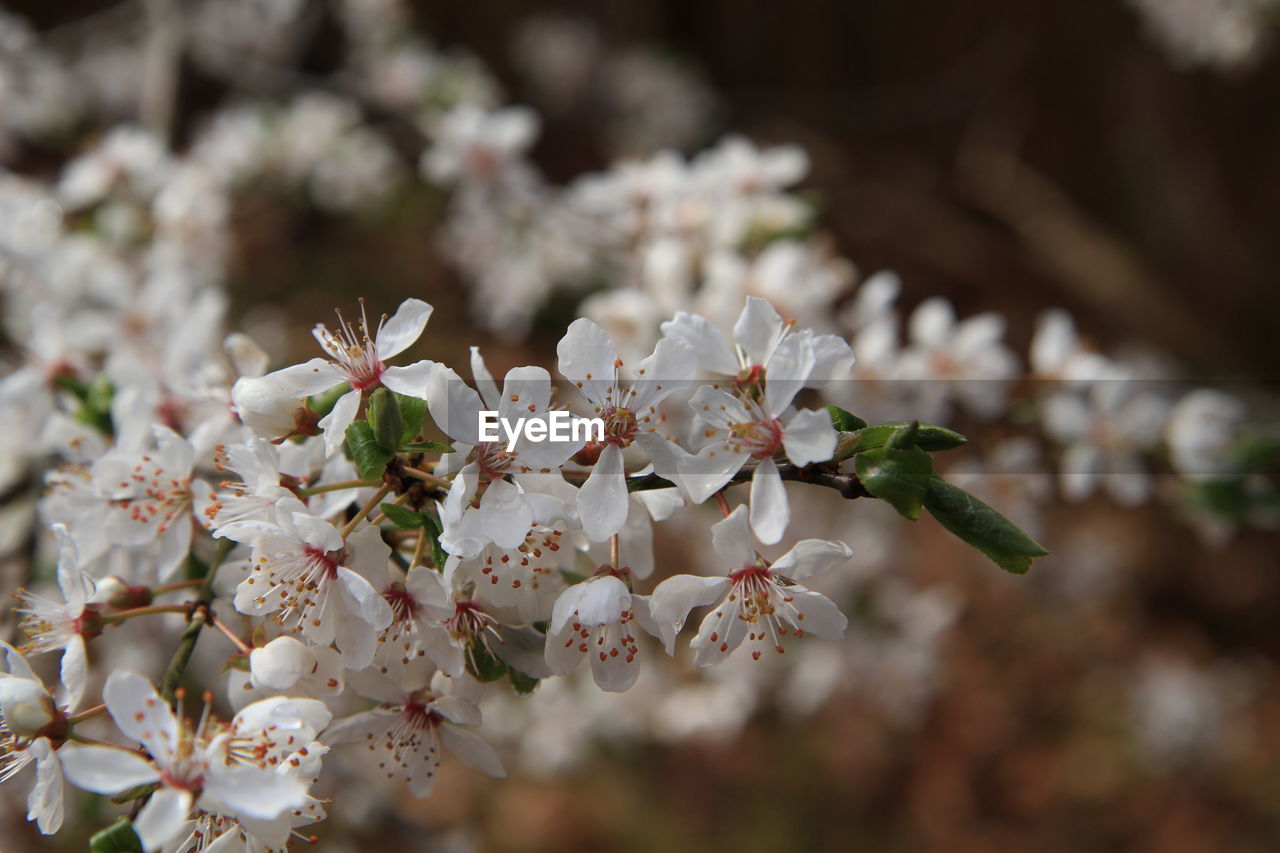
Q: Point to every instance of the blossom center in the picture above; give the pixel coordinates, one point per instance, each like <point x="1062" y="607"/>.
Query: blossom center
<point x="403" y="605"/>
<point x="619" y="425"/>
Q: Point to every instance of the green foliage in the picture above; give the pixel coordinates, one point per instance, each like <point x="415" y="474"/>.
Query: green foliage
<point x="426" y="521"/>
<point x="897" y="475"/>
<point x="386" y="420"/>
<point x="523" y="684"/>
<point x="930" y="437"/>
<point x="95" y="404"/>
<point x="369" y="456"/>
<point x="1248" y="490"/>
<point x="434" y="528"/>
<point x="403" y="517"/>
<point x="120" y="837"/>
<point x="484" y="666"/>
<point x="413" y="411"/>
<point x="981" y="526"/>
<point x="323" y="403"/>
<point x="845" y="421"/>
<point x="487" y="668"/>
<point x="426" y="447"/>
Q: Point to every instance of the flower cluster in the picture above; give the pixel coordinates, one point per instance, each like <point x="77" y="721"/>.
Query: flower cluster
<point x="367" y="566"/>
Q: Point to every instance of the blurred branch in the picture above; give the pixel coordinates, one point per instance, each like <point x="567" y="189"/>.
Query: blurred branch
<point x="1094" y="265"/>
<point x="161" y="67"/>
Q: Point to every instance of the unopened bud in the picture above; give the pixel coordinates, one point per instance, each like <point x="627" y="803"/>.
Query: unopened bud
<point x="26" y="706"/>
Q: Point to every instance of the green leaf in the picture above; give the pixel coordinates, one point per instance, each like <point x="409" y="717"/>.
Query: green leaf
<point x="434" y="528"/>
<point x="484" y="666"/>
<point x="101" y="392"/>
<point x="414" y="412"/>
<point x="904" y="438"/>
<point x="897" y="475"/>
<point x="427" y="447"/>
<point x="403" y="517"/>
<point x="386" y="420"/>
<point x="845" y="421"/>
<point x="95" y="407"/>
<point x="982" y="527"/>
<point x="523" y="684"/>
<point x="930" y="437"/>
<point x="370" y="457"/>
<point x="323" y="403"/>
<point x="69" y="382"/>
<point x="120" y="837"/>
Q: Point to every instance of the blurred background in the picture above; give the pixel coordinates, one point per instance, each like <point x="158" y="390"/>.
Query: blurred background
<point x="1118" y="159"/>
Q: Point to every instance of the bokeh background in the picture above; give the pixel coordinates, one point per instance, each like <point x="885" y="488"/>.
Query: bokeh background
<point x="1010" y="156"/>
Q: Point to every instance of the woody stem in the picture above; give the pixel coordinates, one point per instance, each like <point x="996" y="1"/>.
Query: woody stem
<point x="337" y="487"/>
<point x="365" y="510"/>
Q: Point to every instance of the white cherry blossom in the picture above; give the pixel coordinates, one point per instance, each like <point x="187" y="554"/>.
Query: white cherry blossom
<point x="758" y="602"/>
<point x="310" y="581"/>
<point x="597" y="619"/>
<point x="32" y="727"/>
<point x="629" y="411"/>
<point x="357" y="355"/>
<point x="220" y="770"/>
<point x="64" y="625"/>
<point x="409" y="729"/>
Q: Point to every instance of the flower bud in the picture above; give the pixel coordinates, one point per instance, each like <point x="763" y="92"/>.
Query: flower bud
<point x="26" y="706"/>
<point x="269" y="408"/>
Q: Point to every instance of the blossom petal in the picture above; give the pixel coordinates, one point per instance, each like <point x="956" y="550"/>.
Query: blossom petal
<point x="488" y="389"/>
<point x="104" y="769"/>
<point x="455" y="709"/>
<point x="474" y="751"/>
<point x="525" y="391"/>
<point x="758" y="330"/>
<point x="254" y="791"/>
<point x="670" y="368"/>
<point x="162" y="818"/>
<point x="788" y="371"/>
<point x="820" y="615"/>
<point x="17" y="664"/>
<point x="140" y="713"/>
<point x="74" y="672"/>
<point x="503" y="515"/>
<point x="670" y="603"/>
<point x="720" y="633"/>
<point x="303" y="380"/>
<point x="45" y="803"/>
<point x="809" y="437"/>
<point x="339" y="418"/>
<point x="698" y="475"/>
<point x="595" y="601"/>
<point x="280" y="663"/>
<point x="602" y="500"/>
<point x="405" y="326"/>
<point x="454" y="405"/>
<point x="931" y="322"/>
<point x="732" y="540"/>
<point x="708" y="343"/>
<point x="1082" y="465"/>
<point x="770" y="511"/>
<point x="614" y="673"/>
<point x="810" y="557"/>
<point x="833" y="359"/>
<point x="586" y="356"/>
